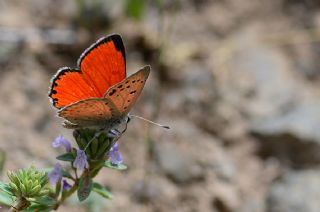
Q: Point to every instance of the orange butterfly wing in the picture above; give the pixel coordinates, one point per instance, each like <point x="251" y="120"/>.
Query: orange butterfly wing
<point x="107" y="111"/>
<point x="101" y="66"/>
<point x="89" y="112"/>
<point x="125" y="94"/>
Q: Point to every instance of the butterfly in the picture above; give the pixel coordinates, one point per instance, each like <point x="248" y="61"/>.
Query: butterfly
<point x="97" y="93"/>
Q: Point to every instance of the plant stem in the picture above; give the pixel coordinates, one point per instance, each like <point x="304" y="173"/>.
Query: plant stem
<point x="20" y="204"/>
<point x="67" y="194"/>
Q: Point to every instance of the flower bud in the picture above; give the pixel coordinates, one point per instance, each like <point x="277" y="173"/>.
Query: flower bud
<point x="28" y="183"/>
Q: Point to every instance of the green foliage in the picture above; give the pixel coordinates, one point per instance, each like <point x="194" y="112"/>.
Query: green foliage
<point x="5" y="197"/>
<point x="98" y="188"/>
<point x="69" y="156"/>
<point x="85" y="187"/>
<point x="96" y="144"/>
<point x="119" y="167"/>
<point x="45" y="200"/>
<point x="38" y="207"/>
<point x="135" y="9"/>
<point x="6" y="188"/>
<point x="66" y="174"/>
<point x="27" y="183"/>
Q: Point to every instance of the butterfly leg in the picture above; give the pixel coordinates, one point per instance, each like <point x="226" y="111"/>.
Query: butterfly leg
<point x="113" y="133"/>
<point x="70" y="125"/>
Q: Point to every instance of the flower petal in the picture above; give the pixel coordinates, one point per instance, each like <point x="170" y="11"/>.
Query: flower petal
<point x="56" y="174"/>
<point x="115" y="155"/>
<point x="66" y="185"/>
<point x="81" y="160"/>
<point x="61" y="141"/>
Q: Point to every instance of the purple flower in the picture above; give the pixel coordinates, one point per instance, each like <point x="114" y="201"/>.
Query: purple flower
<point x="65" y="185"/>
<point x="81" y="160"/>
<point x="61" y="141"/>
<point x="115" y="155"/>
<point x="56" y="174"/>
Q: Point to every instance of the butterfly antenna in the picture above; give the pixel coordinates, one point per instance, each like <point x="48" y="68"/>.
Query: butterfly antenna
<point x="147" y="120"/>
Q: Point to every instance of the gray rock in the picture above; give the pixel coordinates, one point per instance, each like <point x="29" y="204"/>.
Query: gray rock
<point x="146" y="191"/>
<point x="259" y="81"/>
<point x="296" y="192"/>
<point x="293" y="137"/>
<point x="7" y="50"/>
<point x="177" y="165"/>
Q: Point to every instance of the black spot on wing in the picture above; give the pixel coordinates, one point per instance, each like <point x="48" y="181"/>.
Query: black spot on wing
<point x="112" y="92"/>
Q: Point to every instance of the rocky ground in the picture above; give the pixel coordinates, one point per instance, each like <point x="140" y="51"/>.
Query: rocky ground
<point x="236" y="80"/>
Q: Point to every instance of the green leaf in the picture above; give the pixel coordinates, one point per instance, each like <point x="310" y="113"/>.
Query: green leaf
<point x="46" y="200"/>
<point x="6" y="199"/>
<point x="85" y="187"/>
<point x="110" y="165"/>
<point x="35" y="190"/>
<point x="81" y="142"/>
<point x="98" y="188"/>
<point x="103" y="146"/>
<point x="37" y="207"/>
<point x="94" y="146"/>
<point x="6" y="188"/>
<point x="66" y="157"/>
<point x="66" y="174"/>
<point x="23" y="189"/>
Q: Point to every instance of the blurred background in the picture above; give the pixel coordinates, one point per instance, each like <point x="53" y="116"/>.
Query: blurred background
<point x="237" y="81"/>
